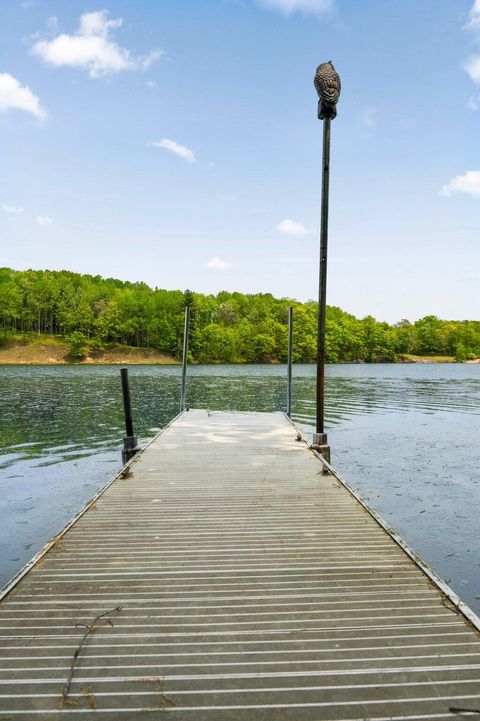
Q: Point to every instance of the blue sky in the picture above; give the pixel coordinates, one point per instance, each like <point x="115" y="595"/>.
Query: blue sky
<point x="176" y="142"/>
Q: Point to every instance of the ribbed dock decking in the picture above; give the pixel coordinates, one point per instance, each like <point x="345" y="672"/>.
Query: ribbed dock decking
<point x="243" y="585"/>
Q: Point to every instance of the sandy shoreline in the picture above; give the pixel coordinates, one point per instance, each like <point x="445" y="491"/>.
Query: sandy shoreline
<point x="56" y="353"/>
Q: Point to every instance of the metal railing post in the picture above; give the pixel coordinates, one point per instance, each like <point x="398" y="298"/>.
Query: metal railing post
<point x="130" y="443"/>
<point x="184" y="358"/>
<point x="289" y="362"/>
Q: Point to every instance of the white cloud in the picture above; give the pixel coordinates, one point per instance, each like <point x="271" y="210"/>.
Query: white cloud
<point x="14" y="95"/>
<point x="468" y="183"/>
<point x="12" y="209"/>
<point x="44" y="220"/>
<point x="227" y="197"/>
<point x="181" y="150"/>
<point x="472" y="65"/>
<point x="307" y="7"/>
<point x="145" y="61"/>
<point x="217" y="264"/>
<point x="474" y="16"/>
<point x="292" y="227"/>
<point x="92" y="48"/>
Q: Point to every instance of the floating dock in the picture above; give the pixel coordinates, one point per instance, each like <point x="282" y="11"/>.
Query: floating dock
<point x="224" y="577"/>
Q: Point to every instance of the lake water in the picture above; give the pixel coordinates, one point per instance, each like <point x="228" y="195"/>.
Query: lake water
<point x="406" y="436"/>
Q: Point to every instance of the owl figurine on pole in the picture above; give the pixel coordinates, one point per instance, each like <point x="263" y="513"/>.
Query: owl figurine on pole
<point x="327" y="85"/>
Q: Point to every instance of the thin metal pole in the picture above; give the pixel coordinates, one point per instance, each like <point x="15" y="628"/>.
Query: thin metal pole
<point x="322" y="291"/>
<point x="127" y="403"/>
<point x="289" y="362"/>
<point x="184" y="358"/>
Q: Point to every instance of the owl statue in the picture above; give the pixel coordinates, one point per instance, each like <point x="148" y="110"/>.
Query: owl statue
<point x="327" y="84"/>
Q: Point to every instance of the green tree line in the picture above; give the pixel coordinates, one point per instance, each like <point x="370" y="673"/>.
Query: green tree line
<point x="91" y="311"/>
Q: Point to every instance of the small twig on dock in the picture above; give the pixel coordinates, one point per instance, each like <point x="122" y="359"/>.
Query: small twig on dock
<point x="448" y="603"/>
<point x="90" y="629"/>
<point x="454" y="709"/>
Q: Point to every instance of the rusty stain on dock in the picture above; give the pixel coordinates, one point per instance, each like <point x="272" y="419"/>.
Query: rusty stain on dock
<point x="235" y="581"/>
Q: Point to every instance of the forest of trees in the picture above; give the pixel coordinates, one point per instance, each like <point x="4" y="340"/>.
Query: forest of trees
<point x="91" y="312"/>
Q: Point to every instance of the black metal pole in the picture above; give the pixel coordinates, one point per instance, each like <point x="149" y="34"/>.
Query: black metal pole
<point x="322" y="289"/>
<point x="328" y="86"/>
<point x="185" y="358"/>
<point x="130" y="443"/>
<point x="289" y="362"/>
<point x="320" y="442"/>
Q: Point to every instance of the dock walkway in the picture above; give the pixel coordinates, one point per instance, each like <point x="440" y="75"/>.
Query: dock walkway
<point x="234" y="581"/>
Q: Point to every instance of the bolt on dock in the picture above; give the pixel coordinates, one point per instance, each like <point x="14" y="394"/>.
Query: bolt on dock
<point x="222" y="576"/>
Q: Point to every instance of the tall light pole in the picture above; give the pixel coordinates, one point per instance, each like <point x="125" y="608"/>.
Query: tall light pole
<point x="327" y="85"/>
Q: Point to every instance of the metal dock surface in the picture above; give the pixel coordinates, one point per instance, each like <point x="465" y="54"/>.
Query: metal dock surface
<point x="240" y="584"/>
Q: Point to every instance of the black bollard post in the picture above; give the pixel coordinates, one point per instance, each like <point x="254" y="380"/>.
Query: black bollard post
<point x="130" y="443"/>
